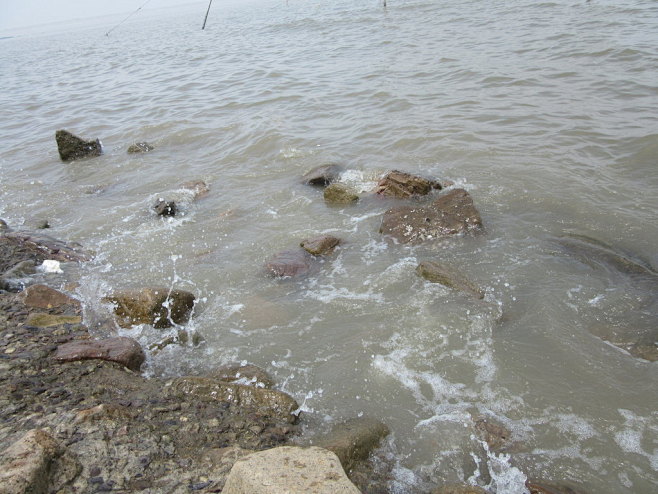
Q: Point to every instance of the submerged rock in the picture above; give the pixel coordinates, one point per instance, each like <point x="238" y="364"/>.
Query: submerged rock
<point x="198" y="187"/>
<point x="320" y="245"/>
<point x="323" y="175"/>
<point x="440" y="273"/>
<point x="249" y="375"/>
<point x="638" y="340"/>
<point x="543" y="487"/>
<point x="4" y="227"/>
<point x="289" y="470"/>
<point x="123" y="350"/>
<point x="71" y="147"/>
<point x="450" y="214"/>
<point x="289" y="263"/>
<point x="403" y="185"/>
<point x="495" y="435"/>
<point x="158" y="306"/>
<point x="459" y="489"/>
<point x="165" y="208"/>
<point x="140" y="147"/>
<point x="338" y="193"/>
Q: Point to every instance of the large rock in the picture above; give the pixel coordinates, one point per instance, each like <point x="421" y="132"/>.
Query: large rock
<point x="268" y="402"/>
<point x="339" y="194"/>
<point x="403" y="185"/>
<point x="323" y="175"/>
<point x="44" y="297"/>
<point x="320" y="245"/>
<point x="71" y="147"/>
<point x="353" y="440"/>
<point x="249" y="375"/>
<point x="122" y="350"/>
<point x="289" y="263"/>
<point x="440" y="273"/>
<point x="289" y="470"/>
<point x="450" y="214"/>
<point x="158" y="306"/>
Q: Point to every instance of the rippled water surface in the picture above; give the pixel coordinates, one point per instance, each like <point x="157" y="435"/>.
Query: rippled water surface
<point x="544" y="111"/>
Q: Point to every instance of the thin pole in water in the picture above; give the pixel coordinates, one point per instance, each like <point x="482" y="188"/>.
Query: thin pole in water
<point x="129" y="16"/>
<point x="206" y="18"/>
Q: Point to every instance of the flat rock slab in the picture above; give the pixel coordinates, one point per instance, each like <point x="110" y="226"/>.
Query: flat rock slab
<point x="403" y="185"/>
<point x="158" y="306"/>
<point x="121" y="349"/>
<point x="44" y="320"/>
<point x="318" y="246"/>
<point x="44" y="297"/>
<point x="71" y="147"/>
<point x="289" y="263"/>
<point x="450" y="214"/>
<point x="323" y="175"/>
<point x="445" y="275"/>
<point x="289" y="470"/>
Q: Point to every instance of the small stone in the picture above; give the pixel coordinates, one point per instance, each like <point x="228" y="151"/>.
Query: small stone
<point x="10" y="350"/>
<point x="140" y="147"/>
<point x="71" y="147"/>
<point x="42" y="224"/>
<point x="320" y="245"/>
<point x="165" y="208"/>
<point x="338" y="194"/>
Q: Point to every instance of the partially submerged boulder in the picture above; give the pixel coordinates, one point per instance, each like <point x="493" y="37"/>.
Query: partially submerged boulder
<point x="440" y="273"/>
<point x="403" y="185"/>
<point x="198" y="188"/>
<point x="323" y="175"/>
<point x="249" y="375"/>
<point x="123" y="350"/>
<point x="163" y="207"/>
<point x="494" y="434"/>
<point x="158" y="306"/>
<point x="140" y="147"/>
<point x="289" y="470"/>
<point x="321" y="245"/>
<point x="459" y="489"/>
<point x="452" y="213"/>
<point x="339" y="194"/>
<point x="71" y="147"/>
<point x="289" y="264"/>
<point x="539" y="486"/>
<point x="639" y="340"/>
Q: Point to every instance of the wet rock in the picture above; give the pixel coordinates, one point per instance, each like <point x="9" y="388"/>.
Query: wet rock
<point x="323" y="175"/>
<point x="42" y="225"/>
<point x="16" y="247"/>
<point x="403" y="185"/>
<point x="452" y="213"/>
<point x="320" y="245"/>
<point x="165" y="208"/>
<point x="104" y="411"/>
<point x="44" y="297"/>
<point x="198" y="187"/>
<point x="158" y="306"/>
<point x="3" y="226"/>
<point x="495" y="435"/>
<point x="140" y="147"/>
<point x="289" y="263"/>
<point x="440" y="273"/>
<point x="354" y="440"/>
<point x="289" y="470"/>
<point x="459" y="489"/>
<point x="338" y="193"/>
<point x="249" y="375"/>
<point x="545" y="487"/>
<point x="639" y="341"/>
<point x="43" y="320"/>
<point x="71" y="147"/>
<point x="11" y="280"/>
<point x="123" y="350"/>
<point x="267" y="401"/>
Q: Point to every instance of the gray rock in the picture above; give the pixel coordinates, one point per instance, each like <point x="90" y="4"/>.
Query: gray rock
<point x="440" y="273"/>
<point x="121" y="349"/>
<point x="140" y="147"/>
<point x="323" y="175"/>
<point x="44" y="297"/>
<point x="320" y="245"/>
<point x="339" y="194"/>
<point x="289" y="470"/>
<point x="250" y="375"/>
<point x="403" y="185"/>
<point x="289" y="263"/>
<point x="71" y="147"/>
<point x="158" y="306"/>
<point x="165" y="208"/>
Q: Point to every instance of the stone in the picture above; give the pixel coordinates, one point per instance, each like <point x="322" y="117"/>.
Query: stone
<point x="459" y="489"/>
<point x="165" y="208"/>
<point x="249" y="375"/>
<point x="44" y="297"/>
<point x="71" y="147"/>
<point x="545" y="487"/>
<point x="338" y="194"/>
<point x="289" y="470"/>
<point x="159" y="306"/>
<point x="440" y="273"/>
<point x="267" y="401"/>
<point x="403" y="185"/>
<point x="140" y="147"/>
<point x="289" y="264"/>
<point x="318" y="246"/>
<point x="122" y="350"/>
<point x="323" y="175"/>
<point x="4" y="227"/>
<point x="198" y="187"/>
<point x="638" y="340"/>
<point x="16" y="247"/>
<point x="43" y="320"/>
<point x="353" y="440"/>
<point x="42" y="224"/>
<point x="452" y="213"/>
<point x="495" y="435"/>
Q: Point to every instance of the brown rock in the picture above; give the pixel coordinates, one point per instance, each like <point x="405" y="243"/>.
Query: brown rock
<point x="249" y="375"/>
<point x="403" y="185"/>
<point x="545" y="487"/>
<point x="338" y="193"/>
<point x="157" y="306"/>
<point x="165" y="208"/>
<point x="450" y="214"/>
<point x="289" y="263"/>
<point x="121" y="349"/>
<point x="198" y="187"/>
<point x="495" y="435"/>
<point x="323" y="175"/>
<point x="71" y="147"/>
<point x="459" y="489"/>
<point x="320" y="245"/>
<point x="140" y="147"/>
<point x="44" y="297"/>
<point x="439" y="273"/>
<point x="43" y="320"/>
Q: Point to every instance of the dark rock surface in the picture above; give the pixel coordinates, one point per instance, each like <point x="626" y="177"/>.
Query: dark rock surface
<point x="319" y="246"/>
<point x="71" y="147"/>
<point x="159" y="306"/>
<point x="440" y="273"/>
<point x="165" y="208"/>
<point x="323" y="175"/>
<point x="403" y="185"/>
<point x="289" y="264"/>
<point x="198" y="187"/>
<point x="122" y="350"/>
<point x="140" y="147"/>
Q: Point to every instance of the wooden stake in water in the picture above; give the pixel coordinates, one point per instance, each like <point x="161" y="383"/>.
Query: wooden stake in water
<point x="206" y="18"/>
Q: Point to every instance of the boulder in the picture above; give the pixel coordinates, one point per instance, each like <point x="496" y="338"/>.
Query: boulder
<point x="165" y="208"/>
<point x="249" y="375"/>
<point x="320" y="245"/>
<point x="16" y="247"/>
<point x="459" y="489"/>
<point x="289" y="470"/>
<point x="71" y="147"/>
<point x="268" y="402"/>
<point x="159" y="306"/>
<point x="140" y="147"/>
<point x="44" y="297"/>
<point x="122" y="350"/>
<point x="403" y="185"/>
<point x="289" y="263"/>
<point x="338" y="193"/>
<point x="198" y="187"/>
<point x="44" y="320"/>
<point x="353" y="440"/>
<point x="452" y="213"/>
<point x="440" y="273"/>
<point x="323" y="175"/>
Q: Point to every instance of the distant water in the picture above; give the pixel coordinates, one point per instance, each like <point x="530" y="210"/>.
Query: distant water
<point x="545" y="111"/>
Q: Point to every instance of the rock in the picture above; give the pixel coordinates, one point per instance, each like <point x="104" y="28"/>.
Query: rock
<point x="320" y="245"/>
<point x="165" y="208"/>
<point x="544" y="487"/>
<point x="338" y="193"/>
<point x="71" y="147"/>
<point x="43" y="320"/>
<point x="495" y="435"/>
<point x="289" y="470"/>
<point x="289" y="263"/>
<point x="323" y="175"/>
<point x="198" y="187"/>
<point x="44" y="297"/>
<point x="638" y="340"/>
<point x="248" y="375"/>
<point x="159" y="306"/>
<point x="266" y="401"/>
<point x="35" y="464"/>
<point x="440" y="273"/>
<point x="42" y="225"/>
<point x="121" y="349"/>
<point x="403" y="185"/>
<point x="459" y="489"/>
<point x="353" y="440"/>
<point x="451" y="214"/>
<point x="3" y="226"/>
<point x="16" y="247"/>
<point x="140" y="147"/>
